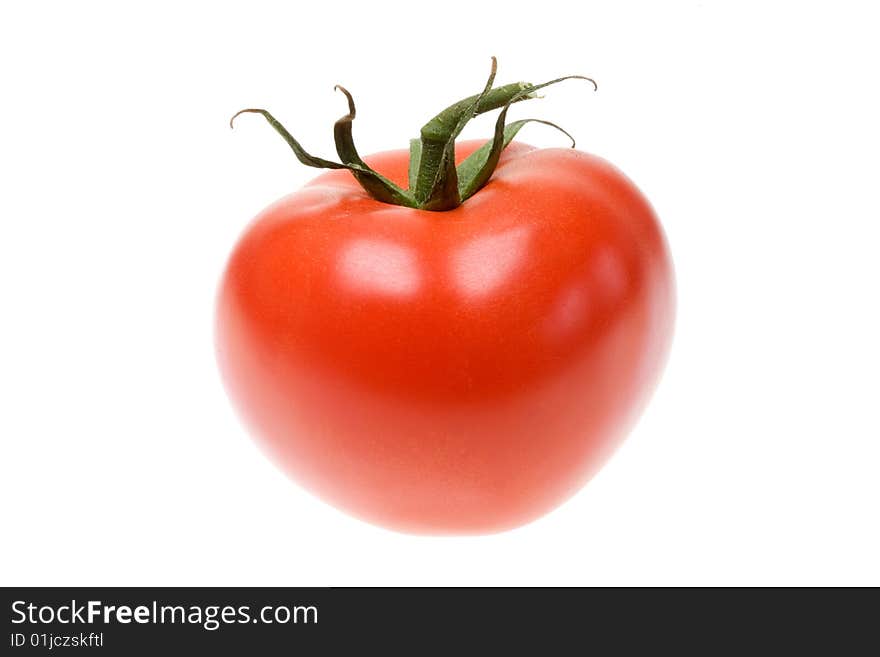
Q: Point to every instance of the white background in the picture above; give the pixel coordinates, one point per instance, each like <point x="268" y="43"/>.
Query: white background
<point x="752" y="128"/>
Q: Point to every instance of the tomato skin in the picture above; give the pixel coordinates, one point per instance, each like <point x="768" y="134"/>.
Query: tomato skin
<point x="449" y="372"/>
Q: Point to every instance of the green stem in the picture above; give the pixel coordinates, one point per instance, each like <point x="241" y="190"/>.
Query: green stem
<point x="437" y="180"/>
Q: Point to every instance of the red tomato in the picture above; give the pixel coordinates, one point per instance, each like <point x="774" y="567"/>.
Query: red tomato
<point x="449" y="372"/>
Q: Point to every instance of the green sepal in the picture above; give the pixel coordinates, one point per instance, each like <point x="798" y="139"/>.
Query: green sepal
<point x="476" y="170"/>
<point x="434" y="181"/>
<point x="377" y="185"/>
<point x="415" y="158"/>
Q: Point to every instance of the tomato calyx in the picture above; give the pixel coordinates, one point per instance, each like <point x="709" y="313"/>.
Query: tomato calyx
<point x="435" y="183"/>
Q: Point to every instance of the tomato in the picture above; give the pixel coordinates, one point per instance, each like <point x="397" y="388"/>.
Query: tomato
<point x="462" y="371"/>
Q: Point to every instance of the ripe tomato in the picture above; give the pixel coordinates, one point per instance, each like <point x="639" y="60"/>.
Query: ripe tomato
<point x="449" y="372"/>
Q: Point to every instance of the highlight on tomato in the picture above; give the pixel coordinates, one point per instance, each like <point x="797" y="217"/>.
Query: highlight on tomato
<point x="451" y="338"/>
